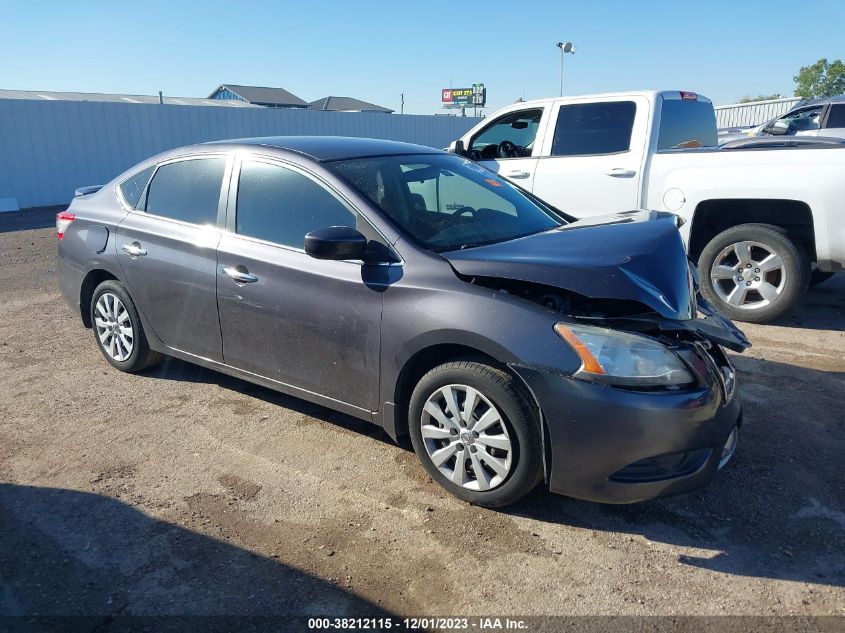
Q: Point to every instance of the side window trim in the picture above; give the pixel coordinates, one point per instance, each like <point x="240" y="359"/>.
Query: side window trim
<point x="141" y="207"/>
<point x="230" y="223"/>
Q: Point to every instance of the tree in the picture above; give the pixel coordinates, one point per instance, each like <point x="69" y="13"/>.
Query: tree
<point x="749" y="99"/>
<point x="822" y="79"/>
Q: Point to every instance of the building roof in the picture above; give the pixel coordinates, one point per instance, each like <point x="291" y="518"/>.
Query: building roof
<point x="46" y="95"/>
<point x="263" y="95"/>
<point x="328" y="148"/>
<point x="346" y="104"/>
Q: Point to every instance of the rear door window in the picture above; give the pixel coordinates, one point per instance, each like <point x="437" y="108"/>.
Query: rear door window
<point x="187" y="190"/>
<point x="281" y="205"/>
<point x="584" y="129"/>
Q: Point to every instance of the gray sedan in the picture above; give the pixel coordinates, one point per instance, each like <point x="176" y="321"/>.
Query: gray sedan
<point x="417" y="290"/>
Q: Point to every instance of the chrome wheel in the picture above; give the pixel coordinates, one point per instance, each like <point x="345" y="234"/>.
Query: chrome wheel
<point x="466" y="438"/>
<point x="748" y="275"/>
<point x="114" y="327"/>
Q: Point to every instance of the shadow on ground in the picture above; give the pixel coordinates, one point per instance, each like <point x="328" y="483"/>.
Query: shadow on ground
<point x="822" y="308"/>
<point x="68" y="553"/>
<point x="174" y="369"/>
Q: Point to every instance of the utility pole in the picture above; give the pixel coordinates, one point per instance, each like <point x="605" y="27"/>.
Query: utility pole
<point x="402" y="103"/>
<point x="566" y="47"/>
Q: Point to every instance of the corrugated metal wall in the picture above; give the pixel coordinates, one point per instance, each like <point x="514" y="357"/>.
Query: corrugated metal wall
<point x="47" y="149"/>
<point x="754" y="113"/>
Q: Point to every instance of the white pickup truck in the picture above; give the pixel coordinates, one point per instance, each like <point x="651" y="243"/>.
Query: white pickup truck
<point x="763" y="217"/>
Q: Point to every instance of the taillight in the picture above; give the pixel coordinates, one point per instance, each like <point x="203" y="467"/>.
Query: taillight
<point x="688" y="96"/>
<point x="63" y="221"/>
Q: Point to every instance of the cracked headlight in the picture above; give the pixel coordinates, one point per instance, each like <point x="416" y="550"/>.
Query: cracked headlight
<point x="622" y="359"/>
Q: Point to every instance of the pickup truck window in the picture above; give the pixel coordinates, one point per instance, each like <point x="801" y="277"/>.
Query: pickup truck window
<point x="510" y="136"/>
<point x="836" y="117"/>
<point x="594" y="128"/>
<point x="685" y="123"/>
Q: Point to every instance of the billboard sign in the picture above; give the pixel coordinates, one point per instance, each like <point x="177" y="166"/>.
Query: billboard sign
<point x="464" y="97"/>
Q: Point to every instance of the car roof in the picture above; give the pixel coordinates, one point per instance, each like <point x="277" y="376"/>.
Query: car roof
<point x="329" y="148"/>
<point x="817" y="101"/>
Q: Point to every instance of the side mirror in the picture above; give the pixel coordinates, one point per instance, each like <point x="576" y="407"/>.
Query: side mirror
<point x="457" y="147"/>
<point x="778" y="128"/>
<point x="336" y="242"/>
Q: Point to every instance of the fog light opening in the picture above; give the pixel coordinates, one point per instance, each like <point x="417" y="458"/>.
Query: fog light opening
<point x="730" y="447"/>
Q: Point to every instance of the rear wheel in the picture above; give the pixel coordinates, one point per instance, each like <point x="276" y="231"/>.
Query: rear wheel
<point x="475" y="433"/>
<point x="118" y="330"/>
<point x="753" y="272"/>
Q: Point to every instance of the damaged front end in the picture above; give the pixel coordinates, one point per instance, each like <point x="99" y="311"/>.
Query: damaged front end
<point x="625" y="271"/>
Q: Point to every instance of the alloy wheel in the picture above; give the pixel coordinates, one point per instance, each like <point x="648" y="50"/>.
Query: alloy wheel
<point x="466" y="437"/>
<point x="114" y="327"/>
<point x="748" y="275"/>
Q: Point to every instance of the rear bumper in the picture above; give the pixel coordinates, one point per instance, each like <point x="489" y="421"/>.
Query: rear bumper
<point x="615" y="446"/>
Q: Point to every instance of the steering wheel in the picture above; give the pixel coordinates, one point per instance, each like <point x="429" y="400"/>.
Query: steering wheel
<point x="507" y="149"/>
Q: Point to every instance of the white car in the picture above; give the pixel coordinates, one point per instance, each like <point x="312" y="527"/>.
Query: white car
<point x="759" y="219"/>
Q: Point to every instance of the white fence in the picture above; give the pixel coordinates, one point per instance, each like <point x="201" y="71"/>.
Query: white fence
<point x="753" y="113"/>
<point x="47" y="149"/>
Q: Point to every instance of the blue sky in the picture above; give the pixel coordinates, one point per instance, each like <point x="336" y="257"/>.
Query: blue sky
<point x="377" y="50"/>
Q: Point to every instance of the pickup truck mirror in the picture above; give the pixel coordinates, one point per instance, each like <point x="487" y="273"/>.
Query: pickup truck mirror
<point x="457" y="147"/>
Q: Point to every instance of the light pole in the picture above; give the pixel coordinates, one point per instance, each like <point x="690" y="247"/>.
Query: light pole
<point x="565" y="47"/>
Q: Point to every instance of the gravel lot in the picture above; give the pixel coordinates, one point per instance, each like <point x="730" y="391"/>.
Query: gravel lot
<point x="182" y="491"/>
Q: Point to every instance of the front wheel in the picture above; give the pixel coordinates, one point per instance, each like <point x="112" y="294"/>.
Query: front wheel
<point x="753" y="272"/>
<point x="475" y="433"/>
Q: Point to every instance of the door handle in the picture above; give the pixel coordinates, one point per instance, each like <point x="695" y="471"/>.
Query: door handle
<point x="518" y="175"/>
<point x="621" y="172"/>
<point x="134" y="249"/>
<point x="239" y="274"/>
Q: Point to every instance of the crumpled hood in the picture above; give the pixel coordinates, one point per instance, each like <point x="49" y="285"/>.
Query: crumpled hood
<point x="637" y="256"/>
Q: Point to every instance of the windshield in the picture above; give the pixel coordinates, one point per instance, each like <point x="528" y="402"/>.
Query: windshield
<point x="446" y="202"/>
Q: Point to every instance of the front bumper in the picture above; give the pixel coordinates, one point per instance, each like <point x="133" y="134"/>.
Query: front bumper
<point x="617" y="446"/>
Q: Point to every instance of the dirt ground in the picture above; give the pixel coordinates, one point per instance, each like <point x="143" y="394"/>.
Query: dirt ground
<point x="182" y="491"/>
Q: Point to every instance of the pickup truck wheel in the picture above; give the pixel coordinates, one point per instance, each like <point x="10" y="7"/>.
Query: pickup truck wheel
<point x="753" y="272"/>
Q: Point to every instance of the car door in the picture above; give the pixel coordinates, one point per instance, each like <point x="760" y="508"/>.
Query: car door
<point x="167" y="252"/>
<point x="307" y="323"/>
<point x="592" y="155"/>
<point x="507" y="145"/>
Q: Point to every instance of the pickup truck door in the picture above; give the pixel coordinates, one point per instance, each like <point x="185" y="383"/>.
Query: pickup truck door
<point x="592" y="155"/>
<point x="508" y="144"/>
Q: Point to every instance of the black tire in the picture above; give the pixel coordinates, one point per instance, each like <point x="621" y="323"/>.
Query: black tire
<point x="796" y="268"/>
<point x="141" y="355"/>
<point x="519" y="418"/>
<point x="818" y="277"/>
